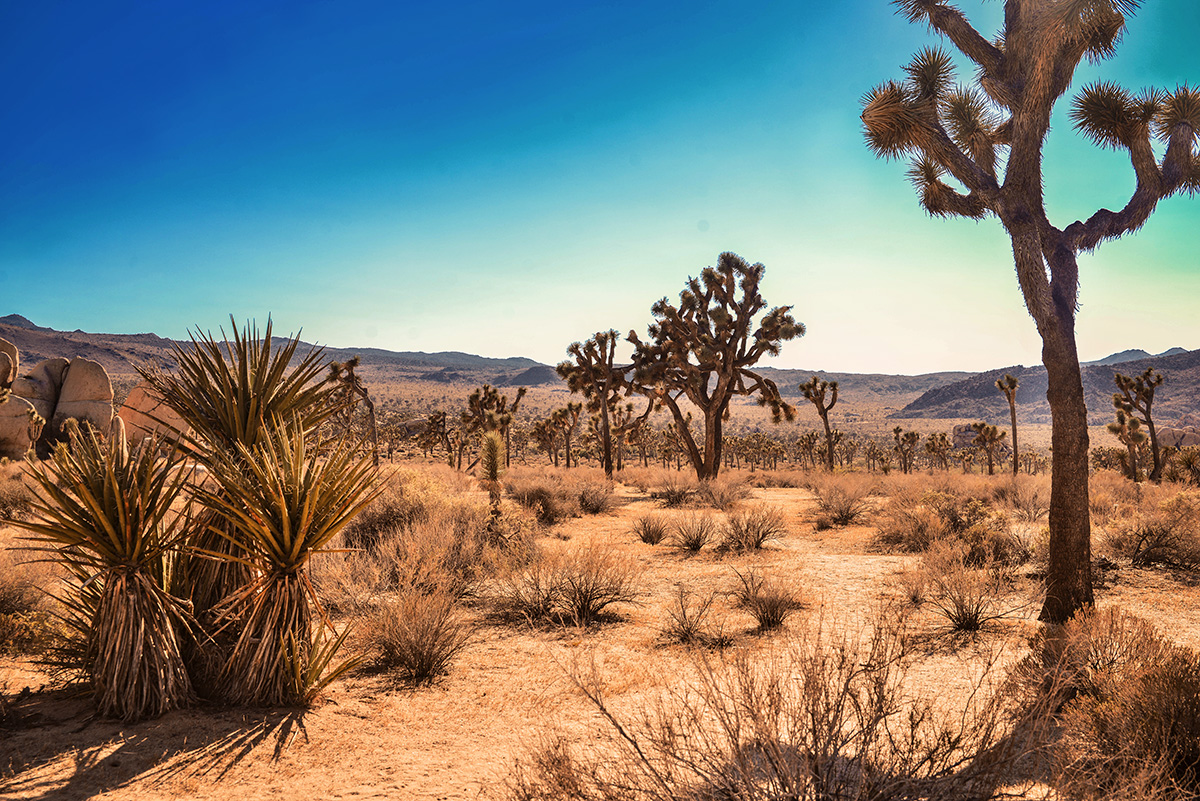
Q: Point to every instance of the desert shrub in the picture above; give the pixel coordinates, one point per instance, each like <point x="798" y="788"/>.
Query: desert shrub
<point x="574" y="586"/>
<point x="595" y="497"/>
<point x="752" y="528"/>
<point x="393" y="510"/>
<point x="25" y="621"/>
<point x="816" y="717"/>
<point x="722" y="493"/>
<point x="842" y="500"/>
<point x="782" y="479"/>
<point x="15" y="497"/>
<point x="552" y="497"/>
<point x="1026" y="497"/>
<point x="770" y="600"/>
<point x="693" y="531"/>
<point x="1128" y="706"/>
<point x="688" y="620"/>
<point x="674" y="489"/>
<point x="650" y="529"/>
<point x="907" y="525"/>
<point x="1167" y="534"/>
<point x="914" y="585"/>
<point x="966" y="596"/>
<point x="418" y="636"/>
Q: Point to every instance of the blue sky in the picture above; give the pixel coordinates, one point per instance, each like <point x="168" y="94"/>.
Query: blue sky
<point x="505" y="178"/>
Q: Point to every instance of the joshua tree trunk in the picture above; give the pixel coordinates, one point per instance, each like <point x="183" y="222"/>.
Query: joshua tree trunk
<point x="1069" y="577"/>
<point x="828" y="440"/>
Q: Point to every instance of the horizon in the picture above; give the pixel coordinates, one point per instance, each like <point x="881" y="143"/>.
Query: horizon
<point x="503" y="183"/>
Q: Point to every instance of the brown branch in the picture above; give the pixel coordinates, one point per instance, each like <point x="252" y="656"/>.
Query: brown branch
<point x="951" y="22"/>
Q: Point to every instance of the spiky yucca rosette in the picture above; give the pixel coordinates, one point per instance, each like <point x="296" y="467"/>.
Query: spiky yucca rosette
<point x="105" y="513"/>
<point x="279" y="503"/>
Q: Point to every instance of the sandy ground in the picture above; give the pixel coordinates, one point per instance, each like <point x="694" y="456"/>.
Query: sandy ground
<point x="458" y="738"/>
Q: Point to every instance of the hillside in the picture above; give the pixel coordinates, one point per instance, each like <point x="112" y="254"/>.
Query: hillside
<point x="976" y="396"/>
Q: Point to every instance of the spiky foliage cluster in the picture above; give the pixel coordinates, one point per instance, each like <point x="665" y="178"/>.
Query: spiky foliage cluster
<point x="1135" y="399"/>
<point x="595" y="374"/>
<point x="488" y="410"/>
<point x="989" y="439"/>
<point x="814" y="390"/>
<point x="1128" y="429"/>
<point x="703" y="349"/>
<point x="105" y="512"/>
<point x="280" y="503"/>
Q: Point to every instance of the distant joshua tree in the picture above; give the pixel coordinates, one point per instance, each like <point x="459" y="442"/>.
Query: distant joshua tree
<point x="566" y="422"/>
<point x="905" y="447"/>
<point x="814" y="390"/>
<point x="989" y="438"/>
<point x="938" y="446"/>
<point x="1136" y="397"/>
<point x="1128" y="429"/>
<point x="595" y="374"/>
<point x="987" y="137"/>
<point x="702" y="352"/>
<point x="348" y="390"/>
<point x="1008" y="385"/>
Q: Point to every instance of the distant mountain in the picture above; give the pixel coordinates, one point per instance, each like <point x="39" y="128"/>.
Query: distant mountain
<point x="879" y="389"/>
<point x="1133" y="356"/>
<point x="977" y="397"/>
<point x="17" y="321"/>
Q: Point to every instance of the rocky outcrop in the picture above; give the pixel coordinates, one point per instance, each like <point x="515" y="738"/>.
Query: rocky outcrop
<point x="1187" y="437"/>
<point x="145" y="414"/>
<point x="42" y="400"/>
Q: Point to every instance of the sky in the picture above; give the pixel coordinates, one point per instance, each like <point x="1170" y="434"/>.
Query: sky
<point x="506" y="178"/>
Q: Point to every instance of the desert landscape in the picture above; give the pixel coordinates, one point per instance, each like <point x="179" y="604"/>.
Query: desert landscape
<point x="396" y="401"/>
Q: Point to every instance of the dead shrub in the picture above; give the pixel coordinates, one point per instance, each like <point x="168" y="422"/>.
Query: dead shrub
<point x="751" y="529"/>
<point x="817" y="716"/>
<point x="842" y="500"/>
<point x="1026" y="497"/>
<point x="674" y="489"/>
<point x="966" y="595"/>
<point x="1167" y="534"/>
<point x="770" y="600"/>
<point x="417" y="636"/>
<point x="15" y="497"/>
<point x="650" y="529"/>
<point x="574" y="586"/>
<point x="908" y="525"/>
<point x="393" y="511"/>
<point x="688" y="620"/>
<point x="595" y="497"/>
<point x="914" y="585"/>
<point x="722" y="493"/>
<point x="551" y="496"/>
<point x="1128" y="706"/>
<point x="693" y="531"/>
<point x="26" y="624"/>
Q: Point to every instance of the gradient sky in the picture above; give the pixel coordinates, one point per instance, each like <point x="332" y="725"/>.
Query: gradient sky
<point x="505" y="178"/>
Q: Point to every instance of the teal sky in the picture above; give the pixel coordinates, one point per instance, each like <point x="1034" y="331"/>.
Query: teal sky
<point x="505" y="178"/>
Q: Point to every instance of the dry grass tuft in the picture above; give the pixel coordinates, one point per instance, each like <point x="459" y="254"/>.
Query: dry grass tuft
<point x="751" y="529"/>
<point x="722" y="493"/>
<point x="693" y="531"/>
<point x="771" y="600"/>
<point x="575" y="586"/>
<point x="650" y="528"/>
<point x="842" y="499"/>
<point x="417" y="636"/>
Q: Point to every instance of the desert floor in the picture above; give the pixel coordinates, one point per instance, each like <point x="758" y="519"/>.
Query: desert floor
<point x="374" y="737"/>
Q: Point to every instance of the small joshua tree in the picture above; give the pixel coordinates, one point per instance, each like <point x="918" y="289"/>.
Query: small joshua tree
<point x="988" y="438"/>
<point x="938" y="446"/>
<point x="595" y="374"/>
<point x="1136" y="397"/>
<point x="566" y="421"/>
<point x="1128" y="429"/>
<point x="702" y="351"/>
<point x="348" y="391"/>
<point x="905" y="447"/>
<point x="1008" y="385"/>
<point x="814" y="390"/>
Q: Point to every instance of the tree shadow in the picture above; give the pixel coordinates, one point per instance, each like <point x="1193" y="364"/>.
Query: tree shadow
<point x="53" y="728"/>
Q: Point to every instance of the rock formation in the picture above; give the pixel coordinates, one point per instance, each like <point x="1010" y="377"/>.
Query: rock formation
<point x="145" y="414"/>
<point x="41" y="401"/>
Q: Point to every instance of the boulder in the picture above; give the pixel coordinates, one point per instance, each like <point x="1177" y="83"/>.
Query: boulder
<point x="1178" y="437"/>
<point x="964" y="436"/>
<point x="8" y="371"/>
<point x="146" y="414"/>
<point x="14" y="357"/>
<point x="86" y="395"/>
<point x="41" y="386"/>
<point x="20" y="427"/>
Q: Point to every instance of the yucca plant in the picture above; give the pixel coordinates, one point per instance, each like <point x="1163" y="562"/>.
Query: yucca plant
<point x="278" y="504"/>
<point x="105" y="512"/>
<point x="231" y="394"/>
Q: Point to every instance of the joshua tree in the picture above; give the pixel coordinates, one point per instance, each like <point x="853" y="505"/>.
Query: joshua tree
<point x="814" y="390"/>
<point x="488" y="410"/>
<point x="938" y="446"/>
<point x="1128" y="429"/>
<point x="595" y="374"/>
<point x="965" y="132"/>
<point x="1136" y="398"/>
<point x="566" y="420"/>
<point x="1008" y="385"/>
<point x="988" y="438"/>
<point x="905" y="448"/>
<point x="546" y="434"/>
<point x="348" y="391"/>
<point x="703" y="350"/>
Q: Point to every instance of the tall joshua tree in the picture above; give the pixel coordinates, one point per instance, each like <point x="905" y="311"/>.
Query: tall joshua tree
<point x="1008" y="385"/>
<point x="815" y="389"/>
<point x="1135" y="399"/>
<point x="595" y="374"/>
<point x="1003" y="115"/>
<point x="702" y="351"/>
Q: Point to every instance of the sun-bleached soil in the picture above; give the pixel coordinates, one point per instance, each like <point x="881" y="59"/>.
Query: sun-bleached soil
<point x="458" y="738"/>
